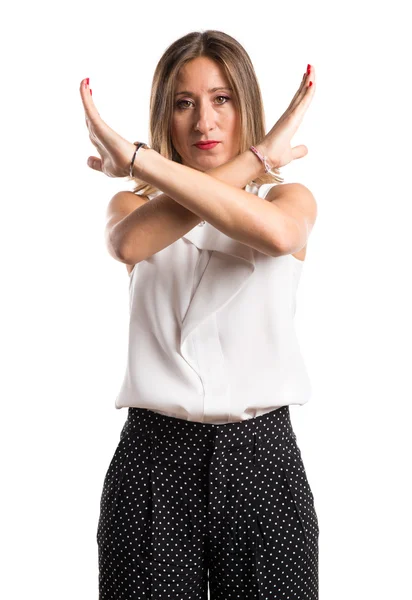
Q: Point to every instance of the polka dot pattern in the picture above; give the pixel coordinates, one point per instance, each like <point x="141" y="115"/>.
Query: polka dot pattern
<point x="191" y="511"/>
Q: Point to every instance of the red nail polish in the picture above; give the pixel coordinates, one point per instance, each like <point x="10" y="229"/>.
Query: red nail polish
<point x="87" y="81"/>
<point x="92" y="94"/>
<point x="310" y="83"/>
<point x="308" y="69"/>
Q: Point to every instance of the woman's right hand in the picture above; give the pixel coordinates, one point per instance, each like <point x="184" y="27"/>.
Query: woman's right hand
<point x="115" y="152"/>
<point x="276" y="145"/>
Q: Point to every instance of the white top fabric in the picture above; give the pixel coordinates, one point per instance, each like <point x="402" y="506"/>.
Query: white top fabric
<point x="211" y="334"/>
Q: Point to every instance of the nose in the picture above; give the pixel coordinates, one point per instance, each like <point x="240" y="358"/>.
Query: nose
<point x="205" y="118"/>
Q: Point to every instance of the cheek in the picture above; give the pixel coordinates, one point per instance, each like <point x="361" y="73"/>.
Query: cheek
<point x="234" y="122"/>
<point x="175" y="134"/>
<point x="235" y="130"/>
<point x="177" y="128"/>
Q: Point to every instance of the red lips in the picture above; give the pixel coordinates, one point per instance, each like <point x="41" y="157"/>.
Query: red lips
<point x="203" y="143"/>
<point x="206" y="146"/>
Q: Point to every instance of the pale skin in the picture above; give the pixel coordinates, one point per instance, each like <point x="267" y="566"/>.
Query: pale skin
<point x="208" y="185"/>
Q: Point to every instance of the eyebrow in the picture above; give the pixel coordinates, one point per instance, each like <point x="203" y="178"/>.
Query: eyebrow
<point x="210" y="91"/>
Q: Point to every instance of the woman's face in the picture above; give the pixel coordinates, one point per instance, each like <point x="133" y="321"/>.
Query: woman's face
<point x="200" y="114"/>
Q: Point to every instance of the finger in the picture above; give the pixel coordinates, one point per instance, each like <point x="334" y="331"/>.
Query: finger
<point x="303" y="85"/>
<point x="298" y="93"/>
<point x="310" y="82"/>
<point x="89" y="106"/>
<point x="98" y="129"/>
<point x="299" y="151"/>
<point x="306" y="95"/>
<point x="94" y="163"/>
<point x="304" y="88"/>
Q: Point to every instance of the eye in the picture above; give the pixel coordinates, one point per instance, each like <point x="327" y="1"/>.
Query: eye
<point x="179" y="104"/>
<point x="225" y="97"/>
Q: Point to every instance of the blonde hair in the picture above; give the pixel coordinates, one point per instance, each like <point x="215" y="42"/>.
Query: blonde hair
<point x="226" y="51"/>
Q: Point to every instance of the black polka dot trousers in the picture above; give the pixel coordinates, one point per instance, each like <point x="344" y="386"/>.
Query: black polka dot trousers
<point x="191" y="511"/>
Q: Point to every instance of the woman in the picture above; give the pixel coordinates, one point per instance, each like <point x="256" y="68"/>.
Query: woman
<point x="207" y="485"/>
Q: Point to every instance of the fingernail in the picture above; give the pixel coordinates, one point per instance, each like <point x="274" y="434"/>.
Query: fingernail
<point x="308" y="69"/>
<point x="310" y="83"/>
<point x="92" y="94"/>
<point x="87" y="81"/>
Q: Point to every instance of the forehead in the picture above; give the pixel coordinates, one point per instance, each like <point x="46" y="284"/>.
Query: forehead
<point x="202" y="72"/>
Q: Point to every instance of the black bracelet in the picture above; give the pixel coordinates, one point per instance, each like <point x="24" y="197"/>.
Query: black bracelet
<point x="138" y="146"/>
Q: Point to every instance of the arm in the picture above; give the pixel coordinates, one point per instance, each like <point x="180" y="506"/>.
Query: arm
<point x="241" y="215"/>
<point x="158" y="223"/>
<point x="237" y="213"/>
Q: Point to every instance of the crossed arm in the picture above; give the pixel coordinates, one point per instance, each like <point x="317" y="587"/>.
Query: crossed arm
<point x="216" y="196"/>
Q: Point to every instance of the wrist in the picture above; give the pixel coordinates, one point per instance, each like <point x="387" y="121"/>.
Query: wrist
<point x="264" y="150"/>
<point x="138" y="167"/>
<point x="256" y="160"/>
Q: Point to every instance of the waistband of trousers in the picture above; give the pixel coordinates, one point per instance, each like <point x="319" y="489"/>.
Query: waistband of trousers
<point x="271" y="425"/>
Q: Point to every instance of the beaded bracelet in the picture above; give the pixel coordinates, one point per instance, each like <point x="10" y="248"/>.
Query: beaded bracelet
<point x="263" y="159"/>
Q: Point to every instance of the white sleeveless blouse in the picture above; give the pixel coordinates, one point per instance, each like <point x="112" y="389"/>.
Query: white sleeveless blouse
<point x="211" y="332"/>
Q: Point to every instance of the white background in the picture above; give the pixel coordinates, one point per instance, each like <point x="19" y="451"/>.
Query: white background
<point x="64" y="311"/>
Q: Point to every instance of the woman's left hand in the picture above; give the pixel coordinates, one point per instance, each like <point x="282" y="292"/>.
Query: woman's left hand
<point x="115" y="152"/>
<point x="276" y="145"/>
